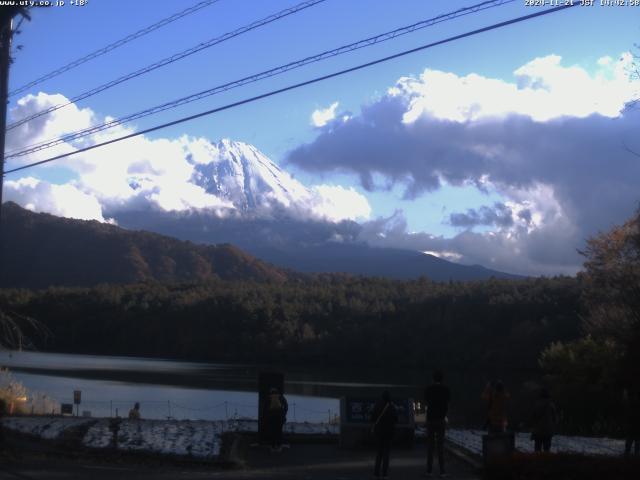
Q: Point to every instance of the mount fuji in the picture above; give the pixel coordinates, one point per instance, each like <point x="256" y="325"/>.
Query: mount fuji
<point x="278" y="219"/>
<point x="243" y="175"/>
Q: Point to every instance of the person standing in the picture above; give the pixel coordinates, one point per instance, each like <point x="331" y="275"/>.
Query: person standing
<point x="543" y="422"/>
<point x="436" y="400"/>
<point x="3" y="411"/>
<point x="497" y="398"/>
<point x="277" y="409"/>
<point x="134" y="413"/>
<point x="384" y="418"/>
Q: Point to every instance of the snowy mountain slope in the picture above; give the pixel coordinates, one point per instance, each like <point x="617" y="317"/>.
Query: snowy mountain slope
<point x="240" y="173"/>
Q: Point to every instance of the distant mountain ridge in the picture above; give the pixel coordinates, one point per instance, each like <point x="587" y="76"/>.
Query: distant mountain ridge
<point x="308" y="246"/>
<point x="39" y="250"/>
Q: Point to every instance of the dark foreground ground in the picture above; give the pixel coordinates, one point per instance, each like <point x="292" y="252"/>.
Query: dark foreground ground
<point x="25" y="459"/>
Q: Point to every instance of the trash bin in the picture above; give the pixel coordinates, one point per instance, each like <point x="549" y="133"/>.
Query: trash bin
<point x="497" y="448"/>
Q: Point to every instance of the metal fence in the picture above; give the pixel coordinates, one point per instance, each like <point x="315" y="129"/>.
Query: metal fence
<point x="168" y="409"/>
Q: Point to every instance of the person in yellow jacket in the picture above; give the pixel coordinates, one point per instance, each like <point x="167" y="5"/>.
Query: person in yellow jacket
<point x="497" y="399"/>
<point x="134" y="413"/>
<point x="277" y="408"/>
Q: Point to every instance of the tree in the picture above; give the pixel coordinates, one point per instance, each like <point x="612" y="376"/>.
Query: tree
<point x="17" y="331"/>
<point x="612" y="281"/>
<point x="582" y="378"/>
<point x="589" y="374"/>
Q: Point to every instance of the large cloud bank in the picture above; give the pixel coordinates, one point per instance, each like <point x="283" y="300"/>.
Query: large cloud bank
<point x="143" y="174"/>
<point x="553" y="142"/>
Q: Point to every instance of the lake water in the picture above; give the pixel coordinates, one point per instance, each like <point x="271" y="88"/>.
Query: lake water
<point x="181" y="390"/>
<point x="207" y="391"/>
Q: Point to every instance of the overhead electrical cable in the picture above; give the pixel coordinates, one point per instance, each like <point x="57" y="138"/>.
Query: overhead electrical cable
<point x="114" y="45"/>
<point x="170" y="59"/>
<point x="299" y="85"/>
<point x="257" y="77"/>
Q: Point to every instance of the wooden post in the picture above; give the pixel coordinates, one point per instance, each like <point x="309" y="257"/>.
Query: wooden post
<point x="5" y="60"/>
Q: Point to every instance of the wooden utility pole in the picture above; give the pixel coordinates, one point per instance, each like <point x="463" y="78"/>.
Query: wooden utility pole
<point x="5" y="59"/>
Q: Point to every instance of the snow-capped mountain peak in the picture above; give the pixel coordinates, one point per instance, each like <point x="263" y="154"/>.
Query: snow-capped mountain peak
<point x="241" y="174"/>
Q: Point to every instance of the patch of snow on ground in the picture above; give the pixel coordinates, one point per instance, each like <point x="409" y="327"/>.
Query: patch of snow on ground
<point x="196" y="438"/>
<point x="99" y="435"/>
<point x="298" y="428"/>
<point x="306" y="428"/>
<point x="471" y="440"/>
<point x="50" y="428"/>
<point x="248" y="425"/>
<point x="203" y="439"/>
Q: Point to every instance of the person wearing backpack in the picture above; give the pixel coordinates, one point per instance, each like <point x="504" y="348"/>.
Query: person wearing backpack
<point x="277" y="408"/>
<point x="384" y="418"/>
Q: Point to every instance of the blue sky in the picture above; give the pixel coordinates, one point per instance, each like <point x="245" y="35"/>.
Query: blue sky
<point x="279" y="125"/>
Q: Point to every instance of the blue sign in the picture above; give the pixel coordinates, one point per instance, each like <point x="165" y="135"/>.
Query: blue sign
<point x="358" y="410"/>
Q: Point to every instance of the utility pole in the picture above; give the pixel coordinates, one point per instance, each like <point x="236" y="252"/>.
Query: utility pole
<point x="6" y="31"/>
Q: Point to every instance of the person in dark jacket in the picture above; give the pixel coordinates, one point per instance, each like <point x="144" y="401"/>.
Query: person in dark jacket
<point x="436" y="400"/>
<point x="384" y="418"/>
<point x="543" y="422"/>
<point x="277" y="408"/>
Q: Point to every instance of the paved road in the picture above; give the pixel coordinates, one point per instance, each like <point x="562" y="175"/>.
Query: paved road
<point x="303" y="462"/>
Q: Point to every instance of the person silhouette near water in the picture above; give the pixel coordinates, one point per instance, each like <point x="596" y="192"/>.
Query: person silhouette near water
<point x="384" y="418"/>
<point x="436" y="400"/>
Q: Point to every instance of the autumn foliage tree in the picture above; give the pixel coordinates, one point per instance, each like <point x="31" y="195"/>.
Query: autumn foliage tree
<point x="612" y="291"/>
<point x="588" y="375"/>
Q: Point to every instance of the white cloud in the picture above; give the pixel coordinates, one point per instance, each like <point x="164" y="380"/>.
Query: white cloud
<point x="159" y="174"/>
<point x="336" y="203"/>
<point x="605" y="61"/>
<point x="46" y="127"/>
<point x="544" y="90"/>
<point x="320" y="117"/>
<point x="62" y="200"/>
<point x="136" y="173"/>
<point x="550" y="143"/>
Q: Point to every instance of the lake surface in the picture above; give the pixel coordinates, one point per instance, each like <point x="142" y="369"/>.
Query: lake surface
<point x="210" y="391"/>
<point x="181" y="390"/>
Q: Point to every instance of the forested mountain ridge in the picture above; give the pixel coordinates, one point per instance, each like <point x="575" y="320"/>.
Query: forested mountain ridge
<point x="40" y="250"/>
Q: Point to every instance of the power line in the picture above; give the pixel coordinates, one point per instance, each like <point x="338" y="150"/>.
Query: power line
<point x="299" y="85"/>
<point x="171" y="59"/>
<point x="256" y="77"/>
<point x="259" y="76"/>
<point x="114" y="45"/>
